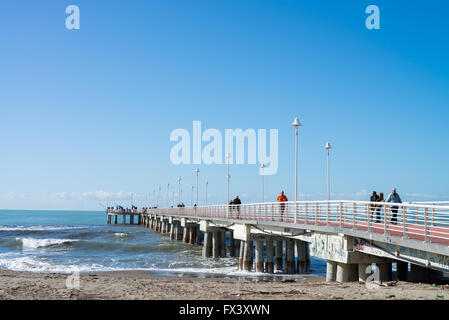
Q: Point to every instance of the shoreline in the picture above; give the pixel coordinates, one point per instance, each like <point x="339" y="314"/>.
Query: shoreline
<point x="142" y="285"/>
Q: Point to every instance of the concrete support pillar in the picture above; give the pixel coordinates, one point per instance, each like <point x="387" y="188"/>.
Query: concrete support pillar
<point x="301" y="256"/>
<point x="279" y="253"/>
<point x="172" y="231"/>
<point x="347" y="272"/>
<point x="269" y="256"/>
<point x="307" y="254"/>
<point x="139" y="219"/>
<point x="331" y="271"/>
<point x="363" y="274"/>
<point x="222" y="244"/>
<point x="385" y="271"/>
<point x="231" y="244"/>
<point x="417" y="273"/>
<point x="215" y="244"/>
<point x="207" y="245"/>
<point x="124" y="218"/>
<point x="115" y="219"/>
<point x="180" y="231"/>
<point x="192" y="235"/>
<point x="186" y="235"/>
<point x="402" y="271"/>
<point x="131" y="219"/>
<point x="198" y="235"/>
<point x="248" y="256"/>
<point x="290" y="256"/>
<point x="259" y="256"/>
<point x="238" y="245"/>
<point x="241" y="253"/>
<point x="109" y="219"/>
<point x="353" y="272"/>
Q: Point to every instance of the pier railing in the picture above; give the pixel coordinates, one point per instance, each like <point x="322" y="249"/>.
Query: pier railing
<point x="425" y="222"/>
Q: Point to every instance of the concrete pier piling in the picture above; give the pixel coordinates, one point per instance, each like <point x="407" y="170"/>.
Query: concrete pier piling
<point x="215" y="244"/>
<point x="259" y="256"/>
<point x="307" y="254"/>
<point x="402" y="271"/>
<point x="301" y="256"/>
<point x="364" y="271"/>
<point x="385" y="271"/>
<point x="115" y="219"/>
<point x="207" y="245"/>
<point x="124" y="218"/>
<point x="222" y="244"/>
<point x="248" y="256"/>
<point x="109" y="219"/>
<point x="131" y="219"/>
<point x="279" y="254"/>
<point x="192" y="235"/>
<point x="342" y="272"/>
<point x="331" y="271"/>
<point x="290" y="256"/>
<point x="231" y="244"/>
<point x="185" y="235"/>
<point x="241" y="253"/>
<point x="269" y="256"/>
<point x="198" y="235"/>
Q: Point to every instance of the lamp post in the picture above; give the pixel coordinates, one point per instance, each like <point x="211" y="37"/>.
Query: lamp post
<point x="173" y="198"/>
<point x="207" y="183"/>
<point x="197" y="172"/>
<point x="132" y="200"/>
<point x="328" y="147"/>
<point x="179" y="189"/>
<point x="191" y="201"/>
<point x="228" y="156"/>
<point x="168" y="195"/>
<point x="154" y="197"/>
<point x="159" y="199"/>
<point x="262" y="167"/>
<point x="296" y="124"/>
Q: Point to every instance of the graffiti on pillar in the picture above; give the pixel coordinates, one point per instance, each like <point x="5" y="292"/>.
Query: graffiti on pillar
<point x="412" y="255"/>
<point x="328" y="247"/>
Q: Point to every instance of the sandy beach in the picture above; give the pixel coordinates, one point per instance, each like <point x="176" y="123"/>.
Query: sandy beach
<point x="144" y="286"/>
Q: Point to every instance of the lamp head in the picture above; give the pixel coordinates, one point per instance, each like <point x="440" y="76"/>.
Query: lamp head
<point x="296" y="123"/>
<point x="328" y="146"/>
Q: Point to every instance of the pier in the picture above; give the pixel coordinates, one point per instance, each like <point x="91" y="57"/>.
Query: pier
<point x="267" y="237"/>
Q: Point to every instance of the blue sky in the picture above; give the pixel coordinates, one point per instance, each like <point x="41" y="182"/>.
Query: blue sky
<point x="88" y="113"/>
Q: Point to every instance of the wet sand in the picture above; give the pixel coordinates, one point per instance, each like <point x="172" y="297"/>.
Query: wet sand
<point x="145" y="286"/>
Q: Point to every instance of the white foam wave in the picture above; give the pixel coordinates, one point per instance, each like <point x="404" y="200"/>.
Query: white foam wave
<point x="120" y="234"/>
<point x="33" y="243"/>
<point x="37" y="228"/>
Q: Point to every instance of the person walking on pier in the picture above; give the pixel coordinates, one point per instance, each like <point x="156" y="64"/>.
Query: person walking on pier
<point x="380" y="198"/>
<point x="372" y="207"/>
<point x="394" y="198"/>
<point x="282" y="198"/>
<point x="237" y="204"/>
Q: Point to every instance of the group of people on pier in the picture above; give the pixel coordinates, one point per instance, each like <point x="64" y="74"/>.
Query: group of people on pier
<point x="374" y="209"/>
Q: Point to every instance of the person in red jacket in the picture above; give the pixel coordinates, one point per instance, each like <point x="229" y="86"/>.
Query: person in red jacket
<point x="282" y="198"/>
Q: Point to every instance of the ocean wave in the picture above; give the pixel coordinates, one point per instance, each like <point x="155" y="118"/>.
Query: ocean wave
<point x="121" y="234"/>
<point x="38" y="228"/>
<point x="34" y="243"/>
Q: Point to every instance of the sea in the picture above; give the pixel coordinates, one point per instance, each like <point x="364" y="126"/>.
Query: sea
<point x="82" y="241"/>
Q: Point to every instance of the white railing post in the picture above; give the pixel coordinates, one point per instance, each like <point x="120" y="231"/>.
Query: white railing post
<point x="354" y="216"/>
<point x="368" y="213"/>
<point x="307" y="213"/>
<point x="386" y="211"/>
<point x="328" y="213"/>
<point x="433" y="215"/>
<point x="341" y="214"/>
<point x="404" y="221"/>
<point x="426" y="226"/>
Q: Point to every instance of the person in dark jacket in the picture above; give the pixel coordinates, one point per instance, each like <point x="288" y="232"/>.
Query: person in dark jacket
<point x="380" y="198"/>
<point x="372" y="207"/>
<point x="237" y="204"/>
